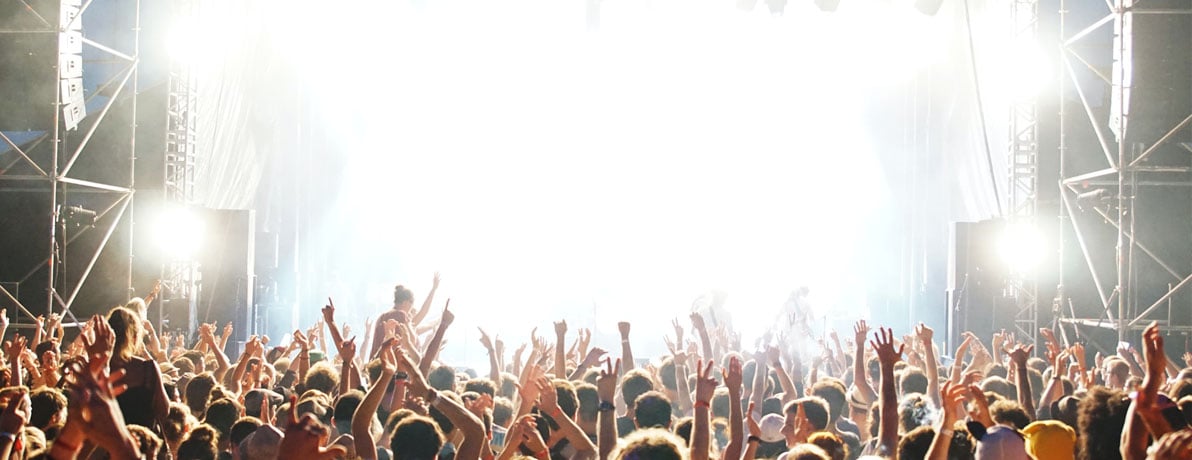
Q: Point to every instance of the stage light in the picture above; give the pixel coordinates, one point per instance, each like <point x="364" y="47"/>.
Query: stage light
<point x="1021" y="247"/>
<point x="928" y="7"/>
<point x="178" y="232"/>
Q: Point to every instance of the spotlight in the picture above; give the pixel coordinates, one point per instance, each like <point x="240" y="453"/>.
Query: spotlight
<point x="1021" y="247"/>
<point x="178" y="232"/>
<point x="777" y="7"/>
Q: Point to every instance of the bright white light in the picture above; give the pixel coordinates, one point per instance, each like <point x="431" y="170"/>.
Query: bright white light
<point x="179" y="233"/>
<point x="1021" y="247"/>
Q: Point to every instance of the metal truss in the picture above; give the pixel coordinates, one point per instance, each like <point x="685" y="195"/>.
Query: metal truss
<point x="1023" y="163"/>
<point x="53" y="175"/>
<point x="1125" y="171"/>
<point x="178" y="276"/>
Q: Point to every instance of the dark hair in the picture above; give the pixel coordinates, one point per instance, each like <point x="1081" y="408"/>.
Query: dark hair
<point x="666" y="373"/>
<point x="198" y="391"/>
<point x="634" y="384"/>
<point x="345" y="407"/>
<point x="174" y="427"/>
<point x="589" y="401"/>
<point x="242" y="428"/>
<point x="912" y="380"/>
<point x="1001" y="386"/>
<point x="568" y="401"/>
<point x="441" y="419"/>
<point x="221" y="414"/>
<point x="833" y="392"/>
<point x="996" y="370"/>
<point x="482" y="386"/>
<point x="814" y="407"/>
<point x="832" y="444"/>
<point x="396" y="417"/>
<point x="721" y="403"/>
<point x="45" y="403"/>
<point x="146" y="440"/>
<point x="416" y="438"/>
<point x="508" y="385"/>
<point x="652" y="409"/>
<point x="914" y="410"/>
<point x="654" y="444"/>
<point x="441" y="378"/>
<point x="915" y="443"/>
<point x="1100" y="420"/>
<point x="199" y="444"/>
<point x="401" y="294"/>
<point x="683" y="428"/>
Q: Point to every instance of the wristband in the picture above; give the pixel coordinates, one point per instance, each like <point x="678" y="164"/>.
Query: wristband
<point x="703" y="404"/>
<point x="946" y="432"/>
<point x="753" y="438"/>
<point x="9" y="436"/>
<point x="606" y="406"/>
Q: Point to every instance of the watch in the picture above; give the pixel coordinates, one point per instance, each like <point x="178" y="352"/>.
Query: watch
<point x="606" y="406"/>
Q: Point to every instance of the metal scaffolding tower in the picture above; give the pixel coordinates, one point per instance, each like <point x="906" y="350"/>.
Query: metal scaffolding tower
<point x="47" y="163"/>
<point x="1023" y="175"/>
<point x="1112" y="194"/>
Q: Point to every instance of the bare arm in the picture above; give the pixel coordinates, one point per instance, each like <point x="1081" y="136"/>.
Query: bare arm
<point x="1018" y="357"/>
<point x="362" y="418"/>
<point x="697" y="323"/>
<point x="437" y="340"/>
<point x="954" y="397"/>
<point x="788" y="386"/>
<point x="626" y="349"/>
<point x="606" y="430"/>
<point x="549" y="403"/>
<point x="887" y="356"/>
<point x="705" y="385"/>
<point x="494" y="368"/>
<point x="430" y="298"/>
<point x="926" y="337"/>
<point x="560" y="351"/>
<point x="681" y="386"/>
<point x="736" y="437"/>
<point x="860" y="378"/>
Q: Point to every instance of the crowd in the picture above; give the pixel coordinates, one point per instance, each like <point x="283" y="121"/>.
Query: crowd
<point x="119" y="390"/>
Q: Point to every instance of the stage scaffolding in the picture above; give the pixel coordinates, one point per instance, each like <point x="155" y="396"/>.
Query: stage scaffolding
<point x="1126" y="170"/>
<point x="1023" y="175"/>
<point x="179" y="277"/>
<point x="69" y="134"/>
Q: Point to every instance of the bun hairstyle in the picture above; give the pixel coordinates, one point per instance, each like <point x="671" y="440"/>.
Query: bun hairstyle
<point x="401" y="294"/>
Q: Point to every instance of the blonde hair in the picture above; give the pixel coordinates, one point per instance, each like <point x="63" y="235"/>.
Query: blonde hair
<point x="126" y="326"/>
<point x="651" y="443"/>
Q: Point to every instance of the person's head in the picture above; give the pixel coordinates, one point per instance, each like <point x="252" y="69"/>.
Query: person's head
<point x="912" y="380"/>
<point x="177" y="424"/>
<point x="914" y="410"/>
<point x="148" y="443"/>
<point x="720" y="403"/>
<point x="47" y="407"/>
<point x="635" y="383"/>
<point x="484" y="387"/>
<point x="262" y="444"/>
<point x="1117" y="372"/>
<point x="345" y="407"/>
<point x="682" y="428"/>
<point x="833" y="392"/>
<point x="242" y="428"/>
<point x="1009" y="413"/>
<point x="200" y="444"/>
<point x="126" y="327"/>
<point x="441" y="378"/>
<point x="198" y="392"/>
<point x="322" y="377"/>
<point x="666" y="373"/>
<point x="830" y="443"/>
<point x="589" y="402"/>
<point x="915" y="443"/>
<point x="568" y="401"/>
<point x="416" y="438"/>
<point x="317" y="404"/>
<point x="502" y="412"/>
<point x="1102" y="415"/>
<point x="183" y="365"/>
<point x="652" y="409"/>
<point x="403" y="298"/>
<point x="806" y="452"/>
<point x="221" y="414"/>
<point x="653" y="444"/>
<point x="1001" y="386"/>
<point x="197" y="364"/>
<point x="813" y="408"/>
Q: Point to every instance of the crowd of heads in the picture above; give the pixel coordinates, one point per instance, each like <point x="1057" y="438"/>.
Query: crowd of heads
<point x="115" y="388"/>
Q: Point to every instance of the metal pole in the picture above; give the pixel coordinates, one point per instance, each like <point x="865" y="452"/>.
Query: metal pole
<point x="1062" y="148"/>
<point x="1122" y="202"/>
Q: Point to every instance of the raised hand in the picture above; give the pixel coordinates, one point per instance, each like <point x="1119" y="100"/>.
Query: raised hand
<point x="883" y="346"/>
<point x="953" y="401"/>
<point x="485" y="340"/>
<point x="1078" y="353"/>
<point x="623" y="328"/>
<point x="860" y="331"/>
<point x="1020" y="354"/>
<point x="448" y="316"/>
<point x="347" y="350"/>
<point x="774" y="356"/>
<point x="924" y="334"/>
<point x="705" y="383"/>
<point x="227" y="331"/>
<point x="301" y="340"/>
<point x="305" y="437"/>
<point x="606" y="382"/>
<point x="435" y="284"/>
<point x="678" y="331"/>
<point x="329" y="312"/>
<point x="697" y="322"/>
<point x="1156" y="365"/>
<point x="594" y="355"/>
<point x="561" y="328"/>
<point x="733" y="376"/>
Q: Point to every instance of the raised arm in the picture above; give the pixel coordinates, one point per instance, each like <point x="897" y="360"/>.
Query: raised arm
<point x="887" y="356"/>
<point x="860" y="378"/>
<point x="548" y="401"/>
<point x="560" y="349"/>
<point x="788" y="386"/>
<point x="430" y="298"/>
<point x="362" y="418"/>
<point x="1018" y="357"/>
<point x="436" y="340"/>
<point x="626" y="349"/>
<point x="494" y="367"/>
<point x="250" y="349"/>
<point x="701" y="329"/>
<point x="349" y="374"/>
<point x="736" y="436"/>
<point x="926" y="337"/>
<point x="606" y="387"/>
<point x="329" y="321"/>
<point x="954" y="399"/>
<point x="207" y="335"/>
<point x="705" y="385"/>
<point x="681" y="385"/>
<point x="464" y="420"/>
